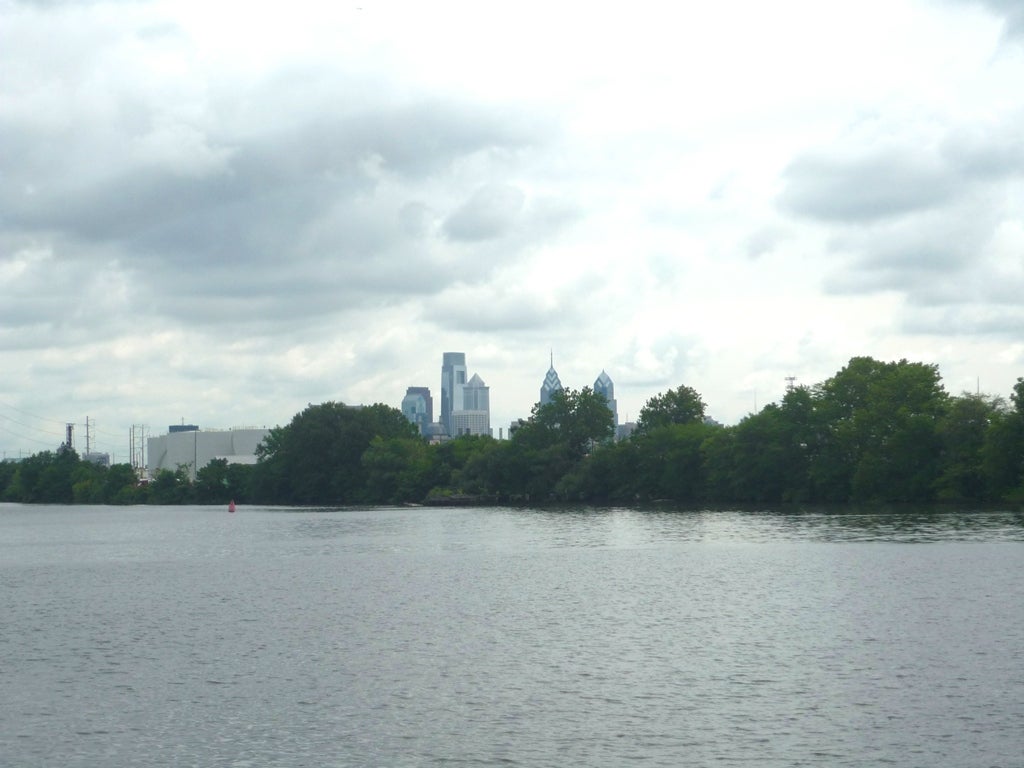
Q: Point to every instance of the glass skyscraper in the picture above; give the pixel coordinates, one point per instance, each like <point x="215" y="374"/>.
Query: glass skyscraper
<point x="418" y="407"/>
<point x="604" y="386"/>
<point x="551" y="383"/>
<point x="453" y="380"/>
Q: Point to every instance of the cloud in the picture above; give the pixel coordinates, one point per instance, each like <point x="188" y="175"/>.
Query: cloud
<point x="877" y="184"/>
<point x="917" y="218"/>
<point x="321" y="200"/>
<point x="489" y="213"/>
<point x="1010" y="10"/>
<point x="320" y="197"/>
<point x="500" y="309"/>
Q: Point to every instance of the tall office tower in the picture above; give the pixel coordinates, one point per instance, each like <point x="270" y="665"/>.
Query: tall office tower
<point x="551" y="383"/>
<point x="476" y="396"/>
<point x="474" y="418"/>
<point x="604" y="386"/>
<point x="453" y="380"/>
<point x="418" y="407"/>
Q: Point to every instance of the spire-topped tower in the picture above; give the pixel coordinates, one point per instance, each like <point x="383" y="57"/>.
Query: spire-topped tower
<point x="551" y="382"/>
<point x="604" y="386"/>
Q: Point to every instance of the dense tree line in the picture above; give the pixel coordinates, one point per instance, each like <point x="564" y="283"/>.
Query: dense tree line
<point x="873" y="432"/>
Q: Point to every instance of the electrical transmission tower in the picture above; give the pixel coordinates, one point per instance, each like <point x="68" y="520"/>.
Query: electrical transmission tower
<point x="137" y="448"/>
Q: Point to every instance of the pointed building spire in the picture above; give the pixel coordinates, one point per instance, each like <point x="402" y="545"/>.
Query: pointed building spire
<point x="551" y="382"/>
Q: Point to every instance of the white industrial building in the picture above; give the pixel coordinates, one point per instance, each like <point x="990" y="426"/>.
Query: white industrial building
<point x="195" y="448"/>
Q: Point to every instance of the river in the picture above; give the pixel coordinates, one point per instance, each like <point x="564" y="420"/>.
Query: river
<point x="188" y="636"/>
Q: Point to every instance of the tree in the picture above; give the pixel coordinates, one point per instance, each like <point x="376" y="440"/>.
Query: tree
<point x="87" y="483"/>
<point x="669" y="461"/>
<point x="211" y="485"/>
<point x="120" y="485"/>
<point x="398" y="469"/>
<point x="45" y="478"/>
<point x="574" y="420"/>
<point x="879" y="441"/>
<point x="317" y="458"/>
<point x="682" y="405"/>
<point x="7" y="470"/>
<point x="552" y="442"/>
<point x="170" y="486"/>
<point x="1002" y="455"/>
<point x="961" y="433"/>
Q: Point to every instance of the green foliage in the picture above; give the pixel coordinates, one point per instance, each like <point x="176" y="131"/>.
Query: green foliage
<point x="878" y="438"/>
<point x="574" y="421"/>
<point x="682" y="405"/>
<point x="7" y="470"/>
<point x="317" y="458"/>
<point x="874" y="432"/>
<point x="551" y="444"/>
<point x="63" y="478"/>
<point x="961" y="434"/>
<point x="121" y="486"/>
<point x="669" y="463"/>
<point x="398" y="469"/>
<point x="1002" y="455"/>
<point x="220" y="482"/>
<point x="171" y="487"/>
<point x="45" y="478"/>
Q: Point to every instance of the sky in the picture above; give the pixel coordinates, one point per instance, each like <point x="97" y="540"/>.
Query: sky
<point x="220" y="213"/>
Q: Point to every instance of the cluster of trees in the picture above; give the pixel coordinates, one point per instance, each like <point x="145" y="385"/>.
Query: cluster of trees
<point x="61" y="477"/>
<point x="874" y="432"/>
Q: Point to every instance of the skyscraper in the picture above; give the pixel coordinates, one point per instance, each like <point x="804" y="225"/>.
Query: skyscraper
<point x="476" y="396"/>
<point x="551" y="383"/>
<point x="453" y="379"/>
<point x="418" y="407"/>
<point x="604" y="386"/>
<point x="465" y="405"/>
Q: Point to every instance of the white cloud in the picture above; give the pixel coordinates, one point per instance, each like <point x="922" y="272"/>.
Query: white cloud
<point x="224" y="213"/>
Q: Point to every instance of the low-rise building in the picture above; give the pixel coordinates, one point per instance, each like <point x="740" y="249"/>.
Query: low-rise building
<point x="195" y="448"/>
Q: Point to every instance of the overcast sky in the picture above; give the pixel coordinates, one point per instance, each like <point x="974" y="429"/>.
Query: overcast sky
<point x="221" y="212"/>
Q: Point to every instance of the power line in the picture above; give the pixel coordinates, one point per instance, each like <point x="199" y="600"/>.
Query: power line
<point x="20" y="436"/>
<point x="29" y="426"/>
<point x="33" y="415"/>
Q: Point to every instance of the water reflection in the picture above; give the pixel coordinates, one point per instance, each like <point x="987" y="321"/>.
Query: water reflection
<point x="619" y="526"/>
<point x="905" y="525"/>
<point x="575" y="636"/>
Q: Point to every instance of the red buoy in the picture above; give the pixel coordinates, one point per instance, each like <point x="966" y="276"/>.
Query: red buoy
<point x="231" y="506"/>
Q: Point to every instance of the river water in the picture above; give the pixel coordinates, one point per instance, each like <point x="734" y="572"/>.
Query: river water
<point x="187" y="636"/>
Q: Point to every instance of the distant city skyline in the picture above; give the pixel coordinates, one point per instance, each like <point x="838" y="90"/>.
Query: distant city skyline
<point x="466" y="404"/>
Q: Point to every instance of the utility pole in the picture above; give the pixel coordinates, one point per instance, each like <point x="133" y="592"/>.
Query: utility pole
<point x="137" y="448"/>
